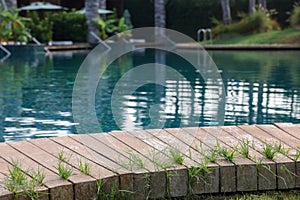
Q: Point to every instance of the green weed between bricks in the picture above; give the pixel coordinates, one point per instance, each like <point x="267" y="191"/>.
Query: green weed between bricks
<point x="132" y="161"/>
<point x="64" y="170"/>
<point x="113" y="193"/>
<point x="84" y="167"/>
<point x="269" y="151"/>
<point x="26" y="182"/>
<point x="197" y="174"/>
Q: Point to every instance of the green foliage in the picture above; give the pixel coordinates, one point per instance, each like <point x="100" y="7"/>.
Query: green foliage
<point x="112" y="26"/>
<point x="270" y="195"/>
<point x="212" y="154"/>
<point x="16" y="179"/>
<point x="195" y="174"/>
<point x="295" y="17"/>
<point x="227" y="153"/>
<point x="297" y="154"/>
<point x="13" y="27"/>
<point x="182" y="18"/>
<point x="287" y="36"/>
<point x="258" y="22"/>
<point x="114" y="192"/>
<point x="64" y="170"/>
<point x="69" y="26"/>
<point x="244" y="148"/>
<point x="134" y="161"/>
<point x="84" y="167"/>
<point x="177" y="156"/>
<point x="38" y="176"/>
<point x="19" y="183"/>
<point x="269" y="151"/>
<point x="281" y="149"/>
<point x="40" y="28"/>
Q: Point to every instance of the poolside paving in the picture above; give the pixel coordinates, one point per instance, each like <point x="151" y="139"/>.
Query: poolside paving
<point x="158" y="163"/>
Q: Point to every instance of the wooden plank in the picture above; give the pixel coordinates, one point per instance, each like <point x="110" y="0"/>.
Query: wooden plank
<point x="246" y="172"/>
<point x="285" y="166"/>
<point x="57" y="186"/>
<point x="104" y="168"/>
<point x="287" y="140"/>
<point x="80" y="181"/>
<point x="104" y="155"/>
<point x="290" y="128"/>
<point x="141" y="161"/>
<point x="227" y="169"/>
<point x="4" y="173"/>
<point x="266" y="168"/>
<point x="54" y="148"/>
<point x="178" y="174"/>
<point x="207" y="183"/>
<point x="294" y="131"/>
<point x="87" y="147"/>
<point x="152" y="183"/>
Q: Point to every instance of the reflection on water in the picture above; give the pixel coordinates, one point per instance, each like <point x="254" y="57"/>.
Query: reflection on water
<point x="262" y="87"/>
<point x="36" y="94"/>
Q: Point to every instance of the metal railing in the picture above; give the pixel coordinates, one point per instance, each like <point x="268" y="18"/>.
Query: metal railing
<point x="204" y="31"/>
<point x="100" y="40"/>
<point x="38" y="43"/>
<point x="8" y="54"/>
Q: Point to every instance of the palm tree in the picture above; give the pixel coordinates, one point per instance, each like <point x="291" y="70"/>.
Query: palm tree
<point x="159" y="16"/>
<point x="226" y="11"/>
<point x="91" y="13"/>
<point x="102" y="4"/>
<point x="251" y="6"/>
<point x="2" y="5"/>
<point x="11" y="3"/>
<point x="159" y="13"/>
<point x="263" y="4"/>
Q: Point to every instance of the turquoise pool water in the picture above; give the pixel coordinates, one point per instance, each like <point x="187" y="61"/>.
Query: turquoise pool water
<point x="36" y="93"/>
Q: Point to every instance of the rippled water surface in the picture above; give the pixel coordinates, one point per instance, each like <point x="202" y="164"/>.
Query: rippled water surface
<point x="36" y="93"/>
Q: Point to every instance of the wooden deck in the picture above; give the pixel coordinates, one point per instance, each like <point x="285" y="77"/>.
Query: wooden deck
<point x="157" y="163"/>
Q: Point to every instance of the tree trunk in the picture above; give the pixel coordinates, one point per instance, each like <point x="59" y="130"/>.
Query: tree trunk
<point x="159" y="16"/>
<point x="263" y="4"/>
<point x="226" y="11"/>
<point x="11" y="3"/>
<point x="91" y="12"/>
<point x="251" y="6"/>
<point x="102" y="4"/>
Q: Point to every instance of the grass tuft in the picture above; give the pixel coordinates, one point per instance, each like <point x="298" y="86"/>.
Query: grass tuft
<point x="244" y="148"/>
<point x="269" y="151"/>
<point x="84" y="167"/>
<point x="18" y="182"/>
<point x="227" y="153"/>
<point x="63" y="169"/>
<point x="177" y="156"/>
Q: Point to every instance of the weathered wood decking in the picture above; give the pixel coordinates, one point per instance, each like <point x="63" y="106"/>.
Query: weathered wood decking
<point x="143" y="163"/>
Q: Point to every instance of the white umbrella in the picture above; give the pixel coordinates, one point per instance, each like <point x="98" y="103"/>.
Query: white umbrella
<point x="100" y="11"/>
<point x="42" y="6"/>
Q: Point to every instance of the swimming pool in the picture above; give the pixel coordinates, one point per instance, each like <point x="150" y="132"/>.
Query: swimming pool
<point x="36" y="93"/>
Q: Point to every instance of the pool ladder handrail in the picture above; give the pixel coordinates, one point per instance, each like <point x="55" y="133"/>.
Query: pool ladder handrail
<point x="204" y="31"/>
<point x="38" y="43"/>
<point x="8" y="53"/>
<point x="100" y="40"/>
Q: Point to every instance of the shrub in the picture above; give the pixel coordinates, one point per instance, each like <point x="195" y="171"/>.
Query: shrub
<point x="12" y="26"/>
<point x="258" y="22"/>
<point x="69" y="26"/>
<point x="295" y="17"/>
<point x="39" y="28"/>
<point x="112" y="25"/>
